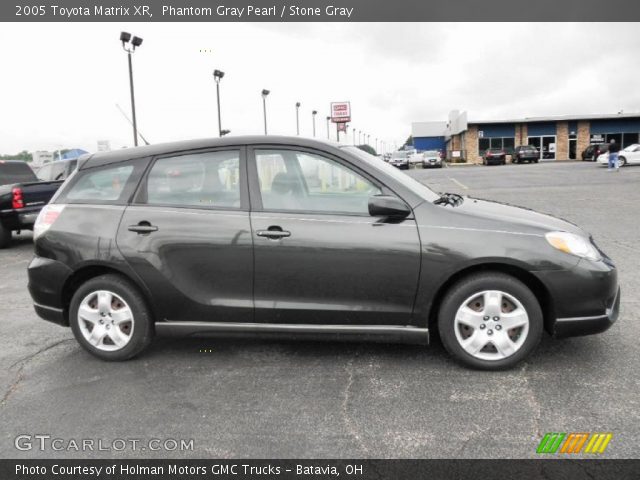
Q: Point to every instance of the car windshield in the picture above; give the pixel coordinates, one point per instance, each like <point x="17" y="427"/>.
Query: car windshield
<point x="495" y="150"/>
<point x="631" y="148"/>
<point x="431" y="153"/>
<point x="398" y="154"/>
<point x="409" y="182"/>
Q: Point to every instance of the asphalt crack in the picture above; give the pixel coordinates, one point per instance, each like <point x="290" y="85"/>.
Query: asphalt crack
<point x="348" y="422"/>
<point x="19" y="376"/>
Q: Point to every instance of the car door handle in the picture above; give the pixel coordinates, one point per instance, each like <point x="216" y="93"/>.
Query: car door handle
<point x="273" y="234"/>
<point x="142" y="228"/>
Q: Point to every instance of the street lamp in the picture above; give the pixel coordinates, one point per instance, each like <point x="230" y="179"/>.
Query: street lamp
<point x="134" y="41"/>
<point x="298" y="118"/>
<point x="353" y="131"/>
<point x="313" y="116"/>
<point x="264" y="108"/>
<point x="368" y="139"/>
<point x="224" y="132"/>
<point x="217" y="76"/>
<point x="328" y="118"/>
<point x="359" y="137"/>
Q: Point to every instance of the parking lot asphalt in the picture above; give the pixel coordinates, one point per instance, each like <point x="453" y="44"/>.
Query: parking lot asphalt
<point x="266" y="399"/>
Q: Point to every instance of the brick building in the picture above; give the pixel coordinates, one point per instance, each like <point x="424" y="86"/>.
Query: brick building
<point x="556" y="138"/>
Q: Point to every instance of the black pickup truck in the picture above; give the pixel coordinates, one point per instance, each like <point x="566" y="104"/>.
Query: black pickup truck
<point x="22" y="196"/>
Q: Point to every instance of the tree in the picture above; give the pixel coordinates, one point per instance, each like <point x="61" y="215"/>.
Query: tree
<point x="23" y="155"/>
<point x="368" y="149"/>
<point x="409" y="142"/>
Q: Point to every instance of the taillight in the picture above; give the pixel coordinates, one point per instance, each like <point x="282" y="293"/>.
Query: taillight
<point x="47" y="216"/>
<point x="17" y="201"/>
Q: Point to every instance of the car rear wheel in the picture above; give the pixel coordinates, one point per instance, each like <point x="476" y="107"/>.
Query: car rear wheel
<point x="5" y="236"/>
<point x="622" y="161"/>
<point x="490" y="321"/>
<point x="110" y="318"/>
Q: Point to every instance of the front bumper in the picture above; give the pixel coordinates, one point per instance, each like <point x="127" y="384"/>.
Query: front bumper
<point x="578" y="326"/>
<point x="585" y="299"/>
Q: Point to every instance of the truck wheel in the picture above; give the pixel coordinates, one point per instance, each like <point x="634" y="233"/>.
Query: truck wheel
<point x="110" y="319"/>
<point x="490" y="321"/>
<point x="5" y="236"/>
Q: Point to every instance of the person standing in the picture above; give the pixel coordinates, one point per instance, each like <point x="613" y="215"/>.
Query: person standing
<point x="614" y="149"/>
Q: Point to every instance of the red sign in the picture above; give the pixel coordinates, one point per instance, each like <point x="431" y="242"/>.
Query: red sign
<point x="340" y="112"/>
<point x="342" y="127"/>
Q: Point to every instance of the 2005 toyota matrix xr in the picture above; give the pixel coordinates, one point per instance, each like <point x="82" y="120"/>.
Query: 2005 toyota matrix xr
<point x="286" y="236"/>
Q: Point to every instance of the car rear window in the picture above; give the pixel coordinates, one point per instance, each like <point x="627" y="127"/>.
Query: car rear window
<point x="16" y="172"/>
<point x="110" y="184"/>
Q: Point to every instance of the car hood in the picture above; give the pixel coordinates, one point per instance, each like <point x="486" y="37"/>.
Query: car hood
<point x="501" y="216"/>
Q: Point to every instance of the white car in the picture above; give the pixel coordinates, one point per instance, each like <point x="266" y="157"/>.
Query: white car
<point x="627" y="156"/>
<point x="431" y="158"/>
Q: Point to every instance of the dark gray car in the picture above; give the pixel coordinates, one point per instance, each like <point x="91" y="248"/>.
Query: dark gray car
<point x="286" y="236"/>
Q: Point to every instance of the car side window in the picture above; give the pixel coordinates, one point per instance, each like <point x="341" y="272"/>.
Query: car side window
<point x="104" y="184"/>
<point x="210" y="179"/>
<point x="57" y="171"/>
<point x="44" y="173"/>
<point x="301" y="181"/>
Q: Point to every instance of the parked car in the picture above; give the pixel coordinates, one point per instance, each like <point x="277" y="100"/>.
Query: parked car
<point x="628" y="156"/>
<point x="415" y="159"/>
<point x="525" y="153"/>
<point x="22" y="196"/>
<point x="400" y="159"/>
<point x="226" y="237"/>
<point x="58" y="170"/>
<point x="431" y="158"/>
<point x="592" y="152"/>
<point x="494" y="156"/>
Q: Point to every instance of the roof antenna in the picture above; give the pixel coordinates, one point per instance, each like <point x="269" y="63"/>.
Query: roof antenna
<point x="131" y="123"/>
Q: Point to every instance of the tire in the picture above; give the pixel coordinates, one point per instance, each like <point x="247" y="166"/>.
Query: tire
<point x="536" y="161"/>
<point x="5" y="236"/>
<point x="622" y="161"/>
<point x="515" y="343"/>
<point x="135" y="334"/>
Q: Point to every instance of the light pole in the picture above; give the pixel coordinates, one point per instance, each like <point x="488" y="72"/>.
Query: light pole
<point x="313" y="117"/>
<point x="368" y="139"/>
<point x="298" y="118"/>
<point x="217" y="76"/>
<point x="353" y="132"/>
<point x="125" y="38"/>
<point x="328" y="118"/>
<point x="376" y="145"/>
<point x="359" y="137"/>
<point x="264" y="108"/>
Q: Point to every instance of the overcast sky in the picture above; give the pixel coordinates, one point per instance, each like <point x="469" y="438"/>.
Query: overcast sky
<point x="61" y="82"/>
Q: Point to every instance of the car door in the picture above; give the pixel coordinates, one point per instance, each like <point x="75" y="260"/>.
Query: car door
<point x="187" y="235"/>
<point x="319" y="257"/>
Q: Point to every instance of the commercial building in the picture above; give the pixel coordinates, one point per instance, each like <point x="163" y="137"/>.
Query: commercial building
<point x="556" y="137"/>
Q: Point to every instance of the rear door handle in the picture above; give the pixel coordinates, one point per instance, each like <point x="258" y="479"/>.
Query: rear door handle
<point x="142" y="228"/>
<point x="273" y="234"/>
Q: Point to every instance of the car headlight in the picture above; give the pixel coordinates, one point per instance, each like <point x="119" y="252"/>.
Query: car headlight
<point x="573" y="244"/>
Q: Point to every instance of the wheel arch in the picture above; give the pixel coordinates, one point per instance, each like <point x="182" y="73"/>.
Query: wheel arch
<point x="89" y="271"/>
<point x="529" y="279"/>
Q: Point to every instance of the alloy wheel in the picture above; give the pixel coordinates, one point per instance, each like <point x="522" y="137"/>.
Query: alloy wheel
<point x="105" y="320"/>
<point x="491" y="325"/>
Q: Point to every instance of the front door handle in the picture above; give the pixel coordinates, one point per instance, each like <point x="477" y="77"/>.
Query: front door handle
<point x="143" y="228"/>
<point x="274" y="233"/>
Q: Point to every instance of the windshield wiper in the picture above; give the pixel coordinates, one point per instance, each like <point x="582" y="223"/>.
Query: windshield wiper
<point x="452" y="199"/>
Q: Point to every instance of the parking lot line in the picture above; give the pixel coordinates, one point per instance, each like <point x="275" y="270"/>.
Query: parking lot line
<point x="460" y="184"/>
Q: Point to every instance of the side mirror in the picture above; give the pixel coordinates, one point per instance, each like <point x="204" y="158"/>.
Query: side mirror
<point x="388" y="206"/>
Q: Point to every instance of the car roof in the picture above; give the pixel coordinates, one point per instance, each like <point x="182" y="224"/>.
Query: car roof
<point x="115" y="156"/>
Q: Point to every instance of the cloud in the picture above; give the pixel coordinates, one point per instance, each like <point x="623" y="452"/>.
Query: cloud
<point x="62" y="85"/>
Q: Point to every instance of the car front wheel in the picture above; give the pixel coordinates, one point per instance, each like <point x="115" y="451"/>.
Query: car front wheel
<point x="110" y="318"/>
<point x="490" y="321"/>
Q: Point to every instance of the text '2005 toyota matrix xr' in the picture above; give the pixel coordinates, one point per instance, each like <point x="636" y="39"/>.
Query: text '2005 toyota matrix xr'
<point x="285" y="236"/>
